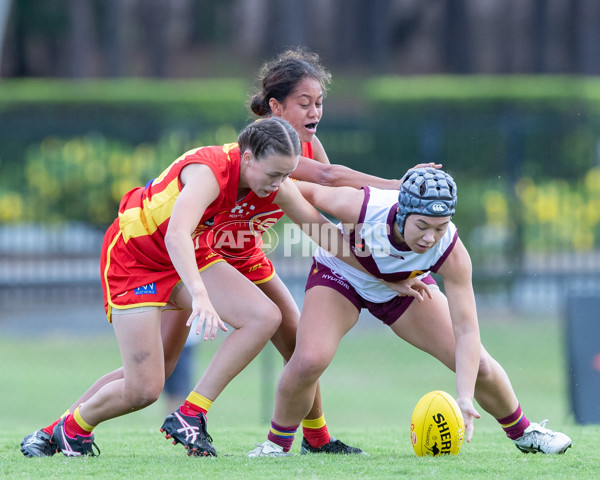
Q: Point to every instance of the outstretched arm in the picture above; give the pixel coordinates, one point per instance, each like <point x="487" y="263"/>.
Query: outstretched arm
<point x="334" y="175"/>
<point x="456" y="271"/>
<point x="343" y="203"/>
<point x="314" y="224"/>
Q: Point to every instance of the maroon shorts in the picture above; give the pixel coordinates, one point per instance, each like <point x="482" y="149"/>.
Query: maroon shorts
<point x="388" y="312"/>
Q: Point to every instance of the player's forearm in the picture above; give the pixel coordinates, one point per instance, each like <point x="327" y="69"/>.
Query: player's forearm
<point x="467" y="355"/>
<point x="340" y="175"/>
<point x="181" y="251"/>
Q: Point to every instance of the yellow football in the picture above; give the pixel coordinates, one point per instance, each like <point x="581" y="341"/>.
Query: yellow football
<point x="437" y="426"/>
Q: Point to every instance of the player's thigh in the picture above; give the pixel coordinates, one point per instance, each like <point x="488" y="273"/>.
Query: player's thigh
<point x="326" y="317"/>
<point x="236" y="299"/>
<point x="284" y="338"/>
<point x="427" y="325"/>
<point x="277" y="291"/>
<point x="174" y="333"/>
<point x="140" y="344"/>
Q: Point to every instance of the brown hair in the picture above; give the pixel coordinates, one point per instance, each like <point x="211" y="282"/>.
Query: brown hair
<point x="272" y="135"/>
<point x="279" y="77"/>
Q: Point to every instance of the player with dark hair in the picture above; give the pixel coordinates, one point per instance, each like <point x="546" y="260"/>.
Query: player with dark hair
<point x="292" y="88"/>
<point x="396" y="237"/>
<point x="155" y="253"/>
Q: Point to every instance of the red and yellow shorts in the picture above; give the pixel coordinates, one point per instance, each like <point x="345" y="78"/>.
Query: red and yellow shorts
<point x="128" y="282"/>
<point x="254" y="265"/>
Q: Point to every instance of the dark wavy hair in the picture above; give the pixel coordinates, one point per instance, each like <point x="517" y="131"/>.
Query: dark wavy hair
<point x="279" y="77"/>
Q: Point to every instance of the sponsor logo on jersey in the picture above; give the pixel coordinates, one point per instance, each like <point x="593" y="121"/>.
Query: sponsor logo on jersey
<point x="149" y="289"/>
<point x="241" y="209"/>
<point x="261" y="222"/>
<point x="336" y="278"/>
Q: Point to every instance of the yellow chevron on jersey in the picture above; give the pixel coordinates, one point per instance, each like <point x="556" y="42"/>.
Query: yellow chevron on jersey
<point x="136" y="222"/>
<point x="228" y="147"/>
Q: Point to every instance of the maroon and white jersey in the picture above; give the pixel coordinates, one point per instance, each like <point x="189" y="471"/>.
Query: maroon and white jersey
<point x="380" y="254"/>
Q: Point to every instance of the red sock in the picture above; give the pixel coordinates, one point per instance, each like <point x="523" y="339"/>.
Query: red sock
<point x="50" y="428"/>
<point x="73" y="429"/>
<point x="316" y="437"/>
<point x="191" y="410"/>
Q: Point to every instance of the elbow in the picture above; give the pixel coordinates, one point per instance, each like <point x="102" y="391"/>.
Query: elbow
<point x="329" y="176"/>
<point x="171" y="240"/>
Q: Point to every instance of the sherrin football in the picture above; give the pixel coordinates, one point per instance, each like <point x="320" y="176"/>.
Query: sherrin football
<point x="437" y="426"/>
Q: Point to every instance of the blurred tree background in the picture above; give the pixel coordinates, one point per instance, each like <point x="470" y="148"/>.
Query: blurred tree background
<point x="198" y="38"/>
<point x="97" y="96"/>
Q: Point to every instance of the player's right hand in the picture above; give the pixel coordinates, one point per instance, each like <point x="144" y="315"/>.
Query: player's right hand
<point x="208" y="318"/>
<point x="409" y="287"/>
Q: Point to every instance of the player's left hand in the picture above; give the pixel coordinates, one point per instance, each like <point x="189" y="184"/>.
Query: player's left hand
<point x="409" y="287"/>
<point x="437" y="166"/>
<point x="430" y="165"/>
<point x="469" y="414"/>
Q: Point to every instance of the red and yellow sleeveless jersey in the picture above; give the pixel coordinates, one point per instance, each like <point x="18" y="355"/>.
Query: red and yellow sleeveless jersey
<point x="237" y="234"/>
<point x="145" y="212"/>
<point x="135" y="266"/>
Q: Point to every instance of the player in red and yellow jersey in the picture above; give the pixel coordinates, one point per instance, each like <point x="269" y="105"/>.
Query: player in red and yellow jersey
<point x="135" y="252"/>
<point x="156" y="253"/>
<point x="293" y="87"/>
<point x="239" y="231"/>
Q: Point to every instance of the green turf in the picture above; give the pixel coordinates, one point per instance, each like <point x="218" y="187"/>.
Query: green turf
<point x="369" y="392"/>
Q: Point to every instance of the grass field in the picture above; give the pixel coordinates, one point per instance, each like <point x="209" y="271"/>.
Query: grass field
<point x="369" y="393"/>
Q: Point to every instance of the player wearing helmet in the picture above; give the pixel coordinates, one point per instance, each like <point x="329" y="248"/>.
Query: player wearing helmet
<point x="292" y="88"/>
<point x="395" y="237"/>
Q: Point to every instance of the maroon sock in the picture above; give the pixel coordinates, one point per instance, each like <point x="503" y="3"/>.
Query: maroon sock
<point x="282" y="436"/>
<point x="515" y="424"/>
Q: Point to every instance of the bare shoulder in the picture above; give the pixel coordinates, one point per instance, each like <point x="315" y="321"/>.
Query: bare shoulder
<point x="457" y="267"/>
<point x="194" y="172"/>
<point x="288" y="192"/>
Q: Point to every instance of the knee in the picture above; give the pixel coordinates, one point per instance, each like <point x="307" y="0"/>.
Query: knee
<point x="308" y="367"/>
<point x="284" y="338"/>
<point x="144" y="395"/>
<point x="267" y="318"/>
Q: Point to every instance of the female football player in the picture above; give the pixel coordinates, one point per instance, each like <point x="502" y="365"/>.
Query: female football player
<point x="156" y="252"/>
<point x="292" y="87"/>
<point x="396" y="237"/>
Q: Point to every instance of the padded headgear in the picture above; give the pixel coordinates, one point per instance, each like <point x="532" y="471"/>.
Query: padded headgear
<point x="426" y="191"/>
